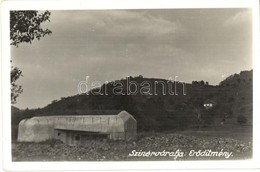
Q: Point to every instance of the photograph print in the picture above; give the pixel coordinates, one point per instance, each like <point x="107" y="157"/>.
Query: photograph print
<point x="131" y="84"/>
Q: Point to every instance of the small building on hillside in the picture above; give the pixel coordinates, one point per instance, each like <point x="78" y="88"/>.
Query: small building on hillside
<point x="75" y="130"/>
<point x="208" y="104"/>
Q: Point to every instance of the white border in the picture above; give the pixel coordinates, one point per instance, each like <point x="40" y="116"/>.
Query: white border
<point x="6" y="6"/>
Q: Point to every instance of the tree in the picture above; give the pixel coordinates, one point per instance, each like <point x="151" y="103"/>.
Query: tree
<point x="25" y="26"/>
<point x="198" y="117"/>
<point x="195" y="82"/>
<point x="15" y="89"/>
<point x="241" y="119"/>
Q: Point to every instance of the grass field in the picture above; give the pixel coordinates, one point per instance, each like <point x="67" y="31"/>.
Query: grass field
<point x="242" y="133"/>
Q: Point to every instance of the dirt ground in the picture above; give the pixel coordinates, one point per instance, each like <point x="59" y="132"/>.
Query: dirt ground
<point x="185" y="145"/>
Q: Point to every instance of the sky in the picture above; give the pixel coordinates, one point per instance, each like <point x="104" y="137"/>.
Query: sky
<point x="107" y="45"/>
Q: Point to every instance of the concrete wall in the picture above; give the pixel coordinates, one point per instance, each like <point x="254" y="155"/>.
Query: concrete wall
<point x="79" y="137"/>
<point x="118" y="127"/>
<point x="36" y="129"/>
<point x="91" y="123"/>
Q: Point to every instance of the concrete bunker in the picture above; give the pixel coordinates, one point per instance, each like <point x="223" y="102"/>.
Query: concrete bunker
<point x="75" y="130"/>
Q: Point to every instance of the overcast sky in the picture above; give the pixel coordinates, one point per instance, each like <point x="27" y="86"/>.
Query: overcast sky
<point x="193" y="44"/>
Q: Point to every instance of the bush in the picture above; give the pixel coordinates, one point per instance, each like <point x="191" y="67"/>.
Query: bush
<point x="241" y="119"/>
<point x="231" y="99"/>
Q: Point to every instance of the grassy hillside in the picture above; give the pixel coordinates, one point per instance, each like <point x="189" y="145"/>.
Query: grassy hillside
<point x="232" y="99"/>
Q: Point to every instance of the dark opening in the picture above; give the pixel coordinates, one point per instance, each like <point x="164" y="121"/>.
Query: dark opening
<point x="77" y="138"/>
<point x="58" y="134"/>
<point x="89" y="135"/>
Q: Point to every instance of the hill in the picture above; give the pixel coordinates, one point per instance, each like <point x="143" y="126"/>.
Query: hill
<point x="162" y="104"/>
